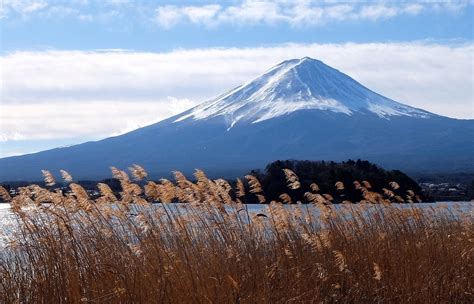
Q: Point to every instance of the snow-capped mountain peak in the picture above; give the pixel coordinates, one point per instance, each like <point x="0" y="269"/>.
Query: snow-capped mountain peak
<point x="294" y="85"/>
<point x="299" y="109"/>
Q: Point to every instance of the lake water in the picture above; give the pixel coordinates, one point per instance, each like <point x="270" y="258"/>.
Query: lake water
<point x="467" y="207"/>
<point x="7" y="224"/>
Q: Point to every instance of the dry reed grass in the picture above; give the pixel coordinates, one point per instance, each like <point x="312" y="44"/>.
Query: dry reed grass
<point x="69" y="248"/>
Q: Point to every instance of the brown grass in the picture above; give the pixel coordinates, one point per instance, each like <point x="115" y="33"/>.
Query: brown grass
<point x="69" y="248"/>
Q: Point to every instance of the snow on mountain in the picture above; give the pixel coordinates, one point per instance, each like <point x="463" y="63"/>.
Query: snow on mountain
<point x="294" y="85"/>
<point x="300" y="109"/>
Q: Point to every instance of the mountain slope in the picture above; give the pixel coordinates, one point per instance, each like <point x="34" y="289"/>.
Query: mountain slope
<point x="299" y="84"/>
<point x="300" y="109"/>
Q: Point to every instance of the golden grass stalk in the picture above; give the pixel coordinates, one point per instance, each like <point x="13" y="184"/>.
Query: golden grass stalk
<point x="314" y="187"/>
<point x="292" y="179"/>
<point x="138" y="172"/>
<point x="66" y="176"/>
<point x="4" y="194"/>
<point x="239" y="188"/>
<point x="72" y="248"/>
<point x="48" y="178"/>
<point x="339" y="186"/>
<point x="377" y="272"/>
<point x="255" y="186"/>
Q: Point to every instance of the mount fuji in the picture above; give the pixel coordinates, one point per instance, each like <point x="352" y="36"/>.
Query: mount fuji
<point x="299" y="109"/>
<point x="298" y="84"/>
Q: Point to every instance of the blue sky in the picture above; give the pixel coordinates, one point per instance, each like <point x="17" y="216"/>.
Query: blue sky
<point x="166" y="25"/>
<point x="81" y="70"/>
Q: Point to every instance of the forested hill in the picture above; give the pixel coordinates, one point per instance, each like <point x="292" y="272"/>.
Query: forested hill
<point x="327" y="174"/>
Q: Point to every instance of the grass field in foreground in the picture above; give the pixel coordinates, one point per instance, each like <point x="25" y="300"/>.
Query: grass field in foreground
<point x="69" y="248"/>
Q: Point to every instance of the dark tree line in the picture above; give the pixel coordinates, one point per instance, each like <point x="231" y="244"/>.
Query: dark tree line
<point x="326" y="174"/>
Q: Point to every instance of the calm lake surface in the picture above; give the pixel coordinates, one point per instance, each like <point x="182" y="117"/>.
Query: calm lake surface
<point x="7" y="222"/>
<point x="468" y="207"/>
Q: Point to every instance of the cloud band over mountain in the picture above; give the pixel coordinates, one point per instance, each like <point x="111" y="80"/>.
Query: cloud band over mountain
<point x="67" y="90"/>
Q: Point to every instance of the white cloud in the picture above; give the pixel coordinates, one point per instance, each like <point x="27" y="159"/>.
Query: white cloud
<point x="451" y="5"/>
<point x="413" y="9"/>
<point x="34" y="6"/>
<point x="338" y="12"/>
<point x="22" y="7"/>
<point x="168" y="16"/>
<point x="91" y="119"/>
<point x="298" y="13"/>
<point x="252" y="12"/>
<point x="375" y="12"/>
<point x="78" y="94"/>
<point x="201" y="14"/>
<point x="11" y="136"/>
<point x="60" y="11"/>
<point x="238" y="12"/>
